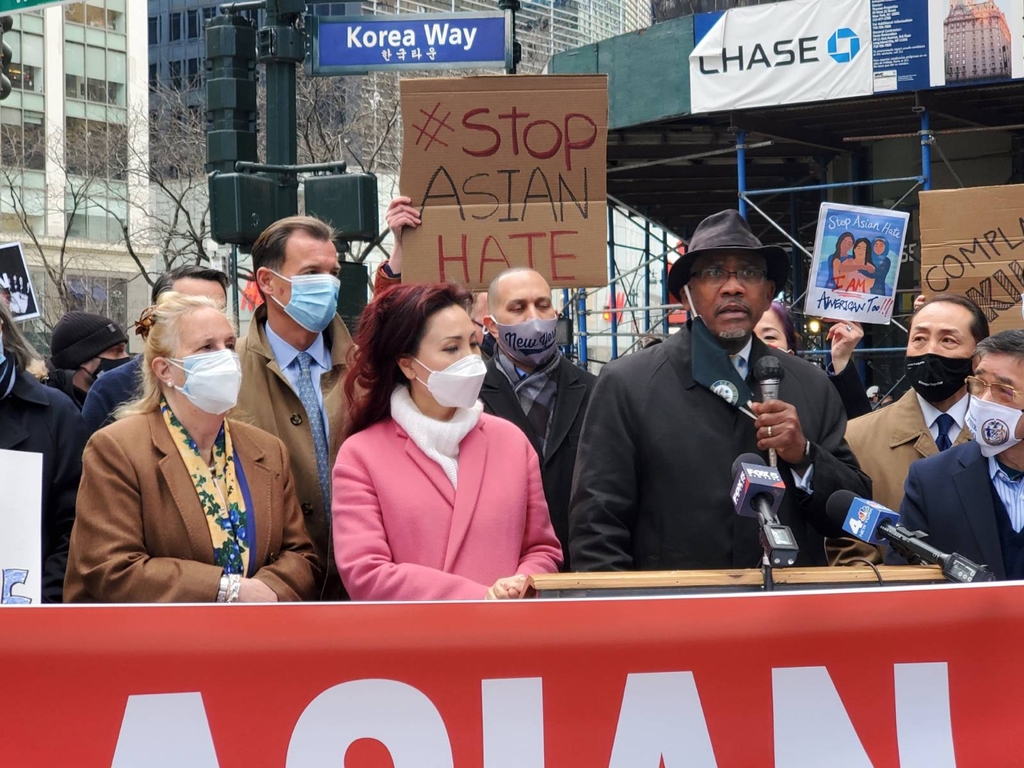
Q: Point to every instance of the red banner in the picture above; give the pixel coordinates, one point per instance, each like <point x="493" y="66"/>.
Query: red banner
<point x="895" y="677"/>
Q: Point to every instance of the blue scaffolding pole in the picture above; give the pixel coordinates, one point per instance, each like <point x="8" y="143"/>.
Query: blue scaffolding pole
<point x="612" y="285"/>
<point x="741" y="168"/>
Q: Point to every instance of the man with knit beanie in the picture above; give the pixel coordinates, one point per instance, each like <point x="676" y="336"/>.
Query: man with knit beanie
<point x="82" y="348"/>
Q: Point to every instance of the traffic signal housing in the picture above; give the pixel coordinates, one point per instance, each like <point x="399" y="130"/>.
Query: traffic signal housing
<point x="6" y="54"/>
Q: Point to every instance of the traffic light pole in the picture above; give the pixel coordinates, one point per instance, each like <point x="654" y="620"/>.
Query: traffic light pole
<point x="281" y="47"/>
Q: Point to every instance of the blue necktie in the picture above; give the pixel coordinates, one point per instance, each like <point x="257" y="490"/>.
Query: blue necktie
<point x="307" y="396"/>
<point x="945" y="422"/>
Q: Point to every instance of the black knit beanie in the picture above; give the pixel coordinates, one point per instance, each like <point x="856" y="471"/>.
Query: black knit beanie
<point x="79" y="336"/>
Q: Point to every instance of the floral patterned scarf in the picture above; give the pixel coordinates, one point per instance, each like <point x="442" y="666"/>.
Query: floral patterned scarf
<point x="222" y="492"/>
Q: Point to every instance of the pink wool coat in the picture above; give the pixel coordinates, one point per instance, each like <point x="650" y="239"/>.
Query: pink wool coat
<point x="402" y="532"/>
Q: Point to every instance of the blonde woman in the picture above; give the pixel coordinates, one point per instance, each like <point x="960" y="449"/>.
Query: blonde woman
<point x="178" y="504"/>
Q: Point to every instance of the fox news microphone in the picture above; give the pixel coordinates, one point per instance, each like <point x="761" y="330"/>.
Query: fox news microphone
<point x="871" y="522"/>
<point x="768" y="373"/>
<point x="757" y="491"/>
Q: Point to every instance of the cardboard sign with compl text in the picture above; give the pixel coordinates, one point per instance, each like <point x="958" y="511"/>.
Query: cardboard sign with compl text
<point x="972" y="243"/>
<point x="20" y="528"/>
<point x="507" y="171"/>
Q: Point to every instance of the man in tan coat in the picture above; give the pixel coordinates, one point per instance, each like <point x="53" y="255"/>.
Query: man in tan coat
<point x="930" y="417"/>
<point x="293" y="365"/>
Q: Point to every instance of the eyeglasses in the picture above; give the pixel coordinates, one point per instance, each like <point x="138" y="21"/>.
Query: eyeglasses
<point x="1001" y="393"/>
<point x="716" y="276"/>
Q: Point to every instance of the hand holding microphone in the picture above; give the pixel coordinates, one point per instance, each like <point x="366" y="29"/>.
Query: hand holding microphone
<point x="777" y="423"/>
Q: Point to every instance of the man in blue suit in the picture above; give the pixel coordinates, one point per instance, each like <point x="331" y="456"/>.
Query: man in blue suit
<point x="970" y="499"/>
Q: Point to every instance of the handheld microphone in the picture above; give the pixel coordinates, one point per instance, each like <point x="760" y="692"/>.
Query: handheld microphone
<point x="871" y="522"/>
<point x="768" y="373"/>
<point x="757" y="492"/>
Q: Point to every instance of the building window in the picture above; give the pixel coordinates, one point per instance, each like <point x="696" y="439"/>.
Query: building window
<point x="192" y="68"/>
<point x="193" y="24"/>
<point x="208" y="13"/>
<point x="22" y="140"/>
<point x="154" y="30"/>
<point x="94" y="16"/>
<point x="175" y="27"/>
<point x="95" y="74"/>
<point x="98" y="294"/>
<point x="174" y="70"/>
<point x="26" y="66"/>
<point x="154" y="77"/>
<point x="95" y="149"/>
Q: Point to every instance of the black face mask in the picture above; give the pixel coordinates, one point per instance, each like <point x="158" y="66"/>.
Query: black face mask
<point x="107" y="364"/>
<point x="937" y="378"/>
<point x="488" y="345"/>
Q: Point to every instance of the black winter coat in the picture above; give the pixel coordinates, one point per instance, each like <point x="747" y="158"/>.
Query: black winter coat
<point x="558" y="462"/>
<point x="654" y="468"/>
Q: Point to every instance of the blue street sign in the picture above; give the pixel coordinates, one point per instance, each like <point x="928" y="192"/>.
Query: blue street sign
<point x="347" y="45"/>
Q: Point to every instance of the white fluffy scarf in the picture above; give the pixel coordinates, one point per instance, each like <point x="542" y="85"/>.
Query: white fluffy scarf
<point x="439" y="440"/>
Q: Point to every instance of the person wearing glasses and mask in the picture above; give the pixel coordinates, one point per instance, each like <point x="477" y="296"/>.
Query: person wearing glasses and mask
<point x="654" y="466"/>
<point x="931" y="417"/>
<point x="433" y="499"/>
<point x="293" y="361"/>
<point x="177" y="503"/>
<point x="969" y="498"/>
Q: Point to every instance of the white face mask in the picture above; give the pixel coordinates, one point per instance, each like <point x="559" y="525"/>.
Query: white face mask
<point x="994" y="426"/>
<point x="212" y="380"/>
<point x="458" y="385"/>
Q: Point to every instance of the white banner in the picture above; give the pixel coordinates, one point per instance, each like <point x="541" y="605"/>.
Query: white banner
<point x="20" y="528"/>
<point x="783" y="53"/>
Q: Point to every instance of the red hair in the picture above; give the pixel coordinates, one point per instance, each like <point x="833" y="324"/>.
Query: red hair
<point x="391" y="327"/>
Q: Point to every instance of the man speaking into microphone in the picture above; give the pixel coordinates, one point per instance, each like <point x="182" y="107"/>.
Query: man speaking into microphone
<point x="654" y="465"/>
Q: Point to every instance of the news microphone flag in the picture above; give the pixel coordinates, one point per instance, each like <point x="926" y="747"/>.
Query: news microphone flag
<point x="753" y="478"/>
<point x="863" y="518"/>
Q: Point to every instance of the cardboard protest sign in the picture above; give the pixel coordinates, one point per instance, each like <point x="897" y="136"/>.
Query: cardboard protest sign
<point x="20" y="528"/>
<point x="971" y="244"/>
<point x="507" y="171"/>
<point x="856" y="263"/>
<point x="16" y="282"/>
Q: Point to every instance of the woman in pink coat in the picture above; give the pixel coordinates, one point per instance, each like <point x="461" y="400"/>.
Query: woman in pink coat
<point x="433" y="499"/>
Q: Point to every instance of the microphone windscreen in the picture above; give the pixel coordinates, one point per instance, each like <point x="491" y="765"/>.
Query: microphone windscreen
<point x="768" y="368"/>
<point x="837" y="505"/>
<point x="746" y="458"/>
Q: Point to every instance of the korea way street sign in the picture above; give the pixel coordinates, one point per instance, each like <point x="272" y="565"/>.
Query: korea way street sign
<point x="348" y="45"/>
<point x="13" y="6"/>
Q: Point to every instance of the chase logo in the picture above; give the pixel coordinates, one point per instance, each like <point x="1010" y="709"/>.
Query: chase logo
<point x="844" y="45"/>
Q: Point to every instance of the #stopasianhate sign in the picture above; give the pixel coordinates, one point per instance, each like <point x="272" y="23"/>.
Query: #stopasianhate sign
<point x="971" y="244"/>
<point x="889" y="678"/>
<point x="856" y="263"/>
<point x="507" y="171"/>
<point x="781" y="53"/>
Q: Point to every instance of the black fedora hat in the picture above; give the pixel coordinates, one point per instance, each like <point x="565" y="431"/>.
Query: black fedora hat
<point x="726" y="232"/>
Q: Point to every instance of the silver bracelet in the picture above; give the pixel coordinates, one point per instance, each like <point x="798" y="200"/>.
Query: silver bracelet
<point x="234" y="585"/>
<point x="222" y="590"/>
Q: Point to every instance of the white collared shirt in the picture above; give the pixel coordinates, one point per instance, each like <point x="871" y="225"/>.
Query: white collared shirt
<point x="740" y="361"/>
<point x="931" y="416"/>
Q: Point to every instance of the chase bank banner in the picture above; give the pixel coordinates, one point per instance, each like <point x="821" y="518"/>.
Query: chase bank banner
<point x="784" y="53"/>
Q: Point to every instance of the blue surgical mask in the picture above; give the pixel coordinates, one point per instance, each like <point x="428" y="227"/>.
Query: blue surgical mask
<point x="314" y="301"/>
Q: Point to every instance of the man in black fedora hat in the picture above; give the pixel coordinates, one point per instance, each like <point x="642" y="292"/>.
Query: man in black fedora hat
<point x="654" y="467"/>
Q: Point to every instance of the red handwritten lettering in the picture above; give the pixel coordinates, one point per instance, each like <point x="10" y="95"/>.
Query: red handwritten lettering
<point x="586" y="143"/>
<point x="483" y="256"/>
<point x="530" y="237"/>
<point x="552" y="150"/>
<point x="441" y="259"/>
<point x="488" y="151"/>
<point x="555" y="255"/>
<point x="514" y="116"/>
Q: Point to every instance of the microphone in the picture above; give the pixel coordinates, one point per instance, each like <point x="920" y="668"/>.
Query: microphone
<point x="871" y="522"/>
<point x="757" y="492"/>
<point x="768" y="372"/>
